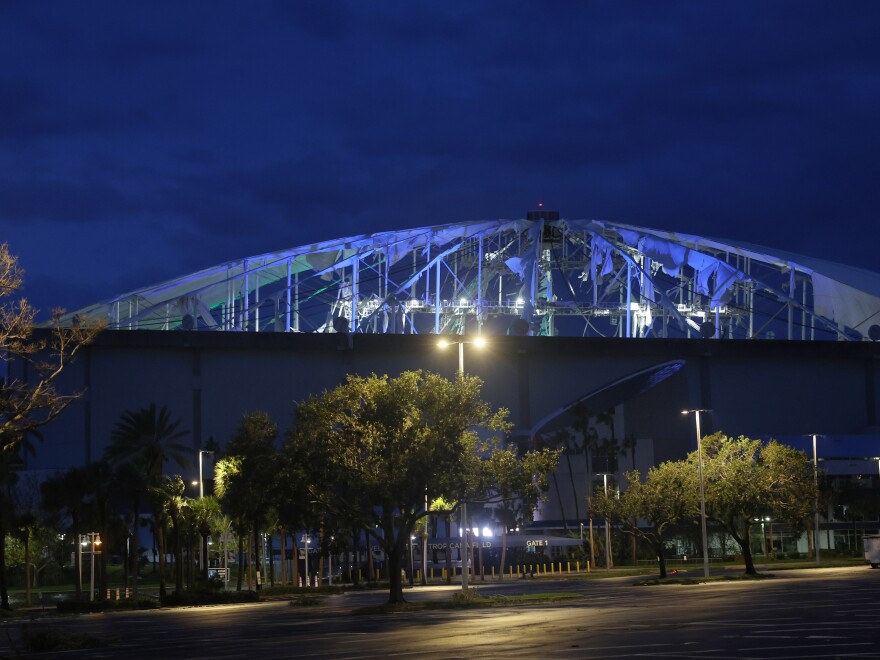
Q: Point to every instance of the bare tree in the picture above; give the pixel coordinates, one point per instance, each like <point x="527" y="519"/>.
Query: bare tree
<point x="28" y="395"/>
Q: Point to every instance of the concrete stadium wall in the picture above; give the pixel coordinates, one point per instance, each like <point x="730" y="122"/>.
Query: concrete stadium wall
<point x="208" y="380"/>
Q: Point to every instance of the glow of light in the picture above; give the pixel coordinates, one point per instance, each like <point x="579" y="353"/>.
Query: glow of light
<point x="519" y="301"/>
<point x="476" y="531"/>
<point x="442" y="343"/>
<point x="464" y="302"/>
<point x="480" y="342"/>
<point x="487" y="531"/>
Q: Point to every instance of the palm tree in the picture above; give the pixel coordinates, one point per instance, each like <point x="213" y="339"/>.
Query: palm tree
<point x="143" y="441"/>
<point x="129" y="482"/>
<point x="148" y="438"/>
<point x="71" y="494"/>
<point x="205" y="512"/>
<point x="171" y="502"/>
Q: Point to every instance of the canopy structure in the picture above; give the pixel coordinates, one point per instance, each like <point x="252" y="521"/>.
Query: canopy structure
<point x="542" y="275"/>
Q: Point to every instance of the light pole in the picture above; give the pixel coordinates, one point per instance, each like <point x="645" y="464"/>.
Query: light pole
<point x="93" y="539"/>
<point x="330" y="563"/>
<point x="306" y="543"/>
<point x="816" y="500"/>
<point x="607" y="527"/>
<point x="702" y="490"/>
<point x="479" y="342"/>
<point x="411" y="565"/>
<point x="201" y="480"/>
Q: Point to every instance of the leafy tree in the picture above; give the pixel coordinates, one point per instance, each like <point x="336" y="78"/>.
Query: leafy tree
<point x="444" y="507"/>
<point x="373" y="445"/>
<point x="516" y="484"/>
<point x="792" y="486"/>
<point x="245" y="479"/>
<point x="667" y="497"/>
<point x="745" y="478"/>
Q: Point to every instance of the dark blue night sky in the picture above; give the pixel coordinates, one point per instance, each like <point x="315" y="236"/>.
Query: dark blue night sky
<point x="140" y="141"/>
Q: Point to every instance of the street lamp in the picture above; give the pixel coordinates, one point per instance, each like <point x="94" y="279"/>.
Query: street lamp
<point x="816" y="500"/>
<point x="411" y="564"/>
<point x="306" y="543"/>
<point x="607" y="528"/>
<point x="93" y="539"/>
<point x="702" y="490"/>
<point x="201" y="480"/>
<point x="479" y="342"/>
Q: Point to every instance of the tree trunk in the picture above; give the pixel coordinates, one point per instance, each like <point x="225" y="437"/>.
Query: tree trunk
<point x="250" y="561"/>
<point x="745" y="545"/>
<point x="592" y="546"/>
<point x="577" y="508"/>
<point x="270" y="559"/>
<point x="635" y="558"/>
<point x="559" y="499"/>
<point x="240" y="561"/>
<point x="256" y="562"/>
<point x="749" y="561"/>
<point x="204" y="556"/>
<point x="448" y="548"/>
<point x="394" y="556"/>
<point x="503" y="552"/>
<point x="178" y="557"/>
<point x="134" y="549"/>
<point x="4" y="592"/>
<point x="77" y="561"/>
<point x="283" y="557"/>
<point x="295" y="563"/>
<point x="371" y="569"/>
<point x="160" y="538"/>
<point x="27" y="566"/>
<point x="661" y="558"/>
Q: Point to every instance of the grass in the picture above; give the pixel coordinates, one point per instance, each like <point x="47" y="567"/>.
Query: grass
<point x="680" y="579"/>
<point x="471" y="600"/>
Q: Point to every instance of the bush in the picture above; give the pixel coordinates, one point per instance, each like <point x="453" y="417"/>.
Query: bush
<point x="304" y="600"/>
<point x="209" y="598"/>
<point x="468" y="597"/>
<point x="794" y="555"/>
<point x="80" y="606"/>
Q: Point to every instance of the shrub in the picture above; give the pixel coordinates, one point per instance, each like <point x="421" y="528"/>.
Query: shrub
<point x="209" y="598"/>
<point x="80" y="606"/>
<point x="466" y="597"/>
<point x="304" y="600"/>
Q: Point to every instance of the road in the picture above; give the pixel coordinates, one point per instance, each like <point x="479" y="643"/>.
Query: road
<point x="817" y="613"/>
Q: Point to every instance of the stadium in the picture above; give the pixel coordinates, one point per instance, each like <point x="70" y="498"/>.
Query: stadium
<point x="630" y="324"/>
